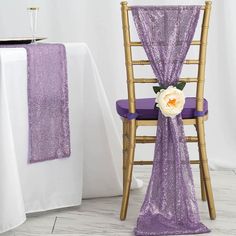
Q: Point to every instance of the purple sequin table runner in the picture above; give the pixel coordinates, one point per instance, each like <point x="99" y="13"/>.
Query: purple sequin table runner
<point x="49" y="133"/>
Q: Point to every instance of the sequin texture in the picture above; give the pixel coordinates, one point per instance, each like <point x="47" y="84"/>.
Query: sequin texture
<point x="49" y="133"/>
<point x="170" y="206"/>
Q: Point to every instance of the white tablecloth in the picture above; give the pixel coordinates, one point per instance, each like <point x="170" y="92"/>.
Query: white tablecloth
<point x="94" y="167"/>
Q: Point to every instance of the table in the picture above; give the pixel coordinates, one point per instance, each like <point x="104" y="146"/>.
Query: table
<point x="94" y="167"/>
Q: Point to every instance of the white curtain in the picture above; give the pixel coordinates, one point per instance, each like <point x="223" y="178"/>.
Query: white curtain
<point x="98" y="23"/>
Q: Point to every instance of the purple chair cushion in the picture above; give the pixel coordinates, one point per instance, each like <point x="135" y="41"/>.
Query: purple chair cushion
<point x="145" y="108"/>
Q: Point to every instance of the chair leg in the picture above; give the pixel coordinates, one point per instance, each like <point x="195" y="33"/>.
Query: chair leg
<point x="203" y="190"/>
<point x="125" y="148"/>
<point x="205" y="169"/>
<point x="129" y="169"/>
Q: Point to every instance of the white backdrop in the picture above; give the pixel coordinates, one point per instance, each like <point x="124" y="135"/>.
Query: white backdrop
<point x="98" y="24"/>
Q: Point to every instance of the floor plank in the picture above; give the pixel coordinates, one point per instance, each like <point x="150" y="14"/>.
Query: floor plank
<point x="100" y="217"/>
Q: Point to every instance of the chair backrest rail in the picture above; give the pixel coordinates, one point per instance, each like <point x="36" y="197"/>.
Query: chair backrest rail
<point x="203" y="8"/>
<point x="147" y="62"/>
<point x="138" y="44"/>
<point x="154" y="80"/>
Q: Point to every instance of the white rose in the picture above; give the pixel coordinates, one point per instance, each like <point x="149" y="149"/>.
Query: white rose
<point x="170" y="101"/>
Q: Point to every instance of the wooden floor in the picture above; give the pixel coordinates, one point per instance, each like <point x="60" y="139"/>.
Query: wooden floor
<point x="100" y="217"/>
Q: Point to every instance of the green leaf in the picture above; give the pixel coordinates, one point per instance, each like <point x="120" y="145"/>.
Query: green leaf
<point x="155" y="106"/>
<point x="181" y="85"/>
<point x="157" y="89"/>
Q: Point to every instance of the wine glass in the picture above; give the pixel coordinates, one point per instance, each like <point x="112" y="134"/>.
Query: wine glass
<point x="33" y="14"/>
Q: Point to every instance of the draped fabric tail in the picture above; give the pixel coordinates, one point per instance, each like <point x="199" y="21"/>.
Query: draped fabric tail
<point x="170" y="206"/>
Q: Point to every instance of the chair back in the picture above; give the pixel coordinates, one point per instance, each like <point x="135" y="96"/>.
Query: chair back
<point x="200" y="62"/>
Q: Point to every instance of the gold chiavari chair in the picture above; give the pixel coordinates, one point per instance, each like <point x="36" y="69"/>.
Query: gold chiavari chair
<point x="131" y="106"/>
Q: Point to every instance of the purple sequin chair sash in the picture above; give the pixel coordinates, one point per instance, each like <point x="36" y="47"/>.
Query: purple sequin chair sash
<point x="170" y="206"/>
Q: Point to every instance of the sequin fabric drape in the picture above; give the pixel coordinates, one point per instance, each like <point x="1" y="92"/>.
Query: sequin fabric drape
<point x="49" y="131"/>
<point x="170" y="206"/>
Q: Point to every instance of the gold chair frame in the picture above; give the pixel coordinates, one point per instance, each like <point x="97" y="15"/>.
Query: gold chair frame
<point x="130" y="126"/>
